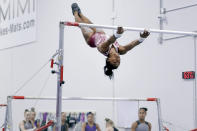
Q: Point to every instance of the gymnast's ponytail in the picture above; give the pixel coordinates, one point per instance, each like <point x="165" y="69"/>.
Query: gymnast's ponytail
<point x="108" y="70"/>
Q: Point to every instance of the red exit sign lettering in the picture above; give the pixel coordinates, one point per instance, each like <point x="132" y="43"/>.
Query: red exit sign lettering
<point x="188" y="75"/>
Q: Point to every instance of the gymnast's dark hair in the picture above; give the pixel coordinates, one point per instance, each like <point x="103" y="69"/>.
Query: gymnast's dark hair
<point x="108" y="69"/>
<point x="33" y="109"/>
<point x="26" y="110"/>
<point x="90" y="113"/>
<point x="144" y="108"/>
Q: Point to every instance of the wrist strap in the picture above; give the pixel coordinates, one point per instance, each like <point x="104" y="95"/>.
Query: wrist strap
<point x="116" y="35"/>
<point x="141" y="39"/>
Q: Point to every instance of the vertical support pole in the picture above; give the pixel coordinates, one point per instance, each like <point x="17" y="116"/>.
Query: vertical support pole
<point x="10" y="122"/>
<point x="113" y="84"/>
<point x="59" y="81"/>
<point x="6" y="119"/>
<point x="159" y="115"/>
<point x="113" y="102"/>
<point x="161" y="21"/>
<point x="195" y="90"/>
<point x="113" y="13"/>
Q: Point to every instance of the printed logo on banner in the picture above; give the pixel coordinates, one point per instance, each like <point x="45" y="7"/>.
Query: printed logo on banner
<point x="17" y="22"/>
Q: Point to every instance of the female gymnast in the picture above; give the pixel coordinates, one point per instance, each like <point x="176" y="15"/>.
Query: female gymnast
<point x="106" y="45"/>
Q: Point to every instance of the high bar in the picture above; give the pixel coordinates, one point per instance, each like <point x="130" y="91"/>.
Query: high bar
<point x="83" y="98"/>
<point x="130" y="28"/>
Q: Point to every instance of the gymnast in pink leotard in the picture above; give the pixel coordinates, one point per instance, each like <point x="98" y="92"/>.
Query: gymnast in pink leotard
<point x="107" y="45"/>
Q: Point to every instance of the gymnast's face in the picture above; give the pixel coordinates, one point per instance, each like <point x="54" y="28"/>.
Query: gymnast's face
<point x="33" y="115"/>
<point x="63" y="116"/>
<point x="90" y="118"/>
<point x="114" y="60"/>
<point x="142" y="114"/>
<point x="109" y="124"/>
<point x="27" y="116"/>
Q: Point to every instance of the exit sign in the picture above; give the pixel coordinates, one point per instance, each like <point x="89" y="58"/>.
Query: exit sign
<point x="188" y="75"/>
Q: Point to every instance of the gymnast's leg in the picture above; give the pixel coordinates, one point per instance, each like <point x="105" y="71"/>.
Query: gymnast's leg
<point x="87" y="32"/>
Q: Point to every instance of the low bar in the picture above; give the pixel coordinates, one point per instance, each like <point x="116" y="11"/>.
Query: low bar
<point x="85" y="98"/>
<point x="130" y="28"/>
<point x="3" y="104"/>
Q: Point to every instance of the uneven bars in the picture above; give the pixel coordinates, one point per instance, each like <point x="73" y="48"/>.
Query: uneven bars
<point x="3" y="104"/>
<point x="84" y="98"/>
<point x="130" y="28"/>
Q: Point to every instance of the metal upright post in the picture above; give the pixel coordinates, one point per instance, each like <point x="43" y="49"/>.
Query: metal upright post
<point x="60" y="77"/>
<point x="113" y="82"/>
<point x="113" y="13"/>
<point x="159" y="115"/>
<point x="161" y="19"/>
<point x="10" y="123"/>
<point x="6" y="119"/>
<point x="195" y="90"/>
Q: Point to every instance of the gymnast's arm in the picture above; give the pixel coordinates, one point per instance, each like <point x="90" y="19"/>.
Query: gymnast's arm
<point x="97" y="127"/>
<point x="21" y="126"/>
<point x="150" y="126"/>
<point x="124" y="49"/>
<point x="83" y="127"/>
<point x="134" y="126"/>
<point x="104" y="47"/>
